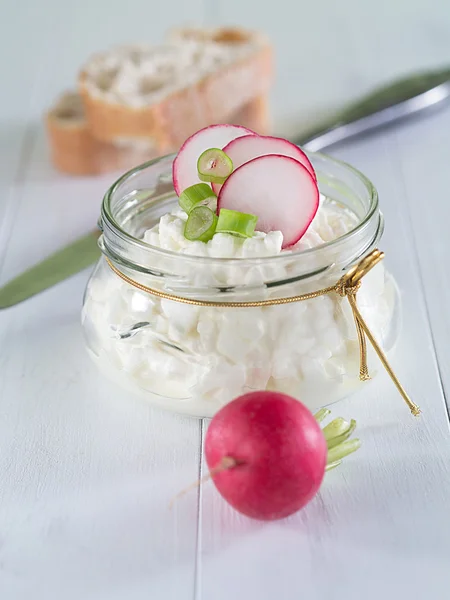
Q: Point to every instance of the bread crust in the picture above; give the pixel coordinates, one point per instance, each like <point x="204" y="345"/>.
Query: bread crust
<point x="76" y="152"/>
<point x="213" y="99"/>
<point x="254" y="115"/>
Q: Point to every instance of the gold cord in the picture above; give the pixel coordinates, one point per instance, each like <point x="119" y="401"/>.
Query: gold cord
<point x="347" y="287"/>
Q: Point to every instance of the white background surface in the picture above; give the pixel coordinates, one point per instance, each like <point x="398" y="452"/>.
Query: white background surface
<point x="87" y="472"/>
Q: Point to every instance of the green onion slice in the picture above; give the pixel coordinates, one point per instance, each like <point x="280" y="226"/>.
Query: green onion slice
<point x="214" y="166"/>
<point x="200" y="225"/>
<point x="236" y="223"/>
<point x="196" y="195"/>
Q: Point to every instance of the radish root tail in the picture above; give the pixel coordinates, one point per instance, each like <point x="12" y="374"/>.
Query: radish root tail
<point x="227" y="462"/>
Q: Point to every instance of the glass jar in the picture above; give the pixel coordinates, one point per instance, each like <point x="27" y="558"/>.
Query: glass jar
<point x="194" y="359"/>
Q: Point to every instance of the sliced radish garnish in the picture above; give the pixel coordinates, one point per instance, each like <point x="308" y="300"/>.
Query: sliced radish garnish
<point x="279" y="190"/>
<point x="245" y="148"/>
<point x="184" y="170"/>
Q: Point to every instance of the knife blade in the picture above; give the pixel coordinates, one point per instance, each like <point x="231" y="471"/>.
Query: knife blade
<point x="55" y="268"/>
<point x="385" y="106"/>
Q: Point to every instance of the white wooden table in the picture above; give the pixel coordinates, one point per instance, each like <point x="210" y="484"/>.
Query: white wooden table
<point x="86" y="472"/>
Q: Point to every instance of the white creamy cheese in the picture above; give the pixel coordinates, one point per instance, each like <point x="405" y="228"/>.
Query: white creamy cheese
<point x="198" y="358"/>
<point x="330" y="222"/>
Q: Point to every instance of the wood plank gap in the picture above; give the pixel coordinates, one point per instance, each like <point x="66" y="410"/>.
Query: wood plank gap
<point x="198" y="542"/>
<point x="29" y="137"/>
<point x="16" y="190"/>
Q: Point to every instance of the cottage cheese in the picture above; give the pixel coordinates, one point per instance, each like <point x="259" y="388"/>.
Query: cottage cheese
<point x="195" y="359"/>
<point x="331" y="221"/>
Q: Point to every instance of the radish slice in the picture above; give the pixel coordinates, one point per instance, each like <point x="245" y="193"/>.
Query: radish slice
<point x="279" y="190"/>
<point x="246" y="148"/>
<point x="184" y="170"/>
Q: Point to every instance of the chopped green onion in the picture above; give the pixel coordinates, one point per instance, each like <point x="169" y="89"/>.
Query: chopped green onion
<point x="214" y="166"/>
<point x="201" y="224"/>
<point x="196" y="195"/>
<point x="236" y="223"/>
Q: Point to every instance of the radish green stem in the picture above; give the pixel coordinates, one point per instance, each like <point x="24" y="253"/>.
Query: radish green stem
<point x="332" y="465"/>
<point x="344" y="449"/>
<point x="322" y="414"/>
<point x="335" y="428"/>
<point x="336" y="435"/>
<point x="335" y="441"/>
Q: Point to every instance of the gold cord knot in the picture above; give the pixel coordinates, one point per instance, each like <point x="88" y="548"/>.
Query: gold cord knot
<point x="354" y="275"/>
<point x="346" y="287"/>
<point x="349" y="284"/>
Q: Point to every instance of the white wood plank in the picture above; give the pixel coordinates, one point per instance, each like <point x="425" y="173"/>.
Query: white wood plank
<point x="330" y="52"/>
<point x="20" y="75"/>
<point x="379" y="526"/>
<point x="422" y="152"/>
<point x="53" y="210"/>
<point x="87" y="471"/>
<point x="49" y="41"/>
<point x="55" y="38"/>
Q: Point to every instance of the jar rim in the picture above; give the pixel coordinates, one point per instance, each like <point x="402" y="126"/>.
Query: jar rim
<point x="108" y="218"/>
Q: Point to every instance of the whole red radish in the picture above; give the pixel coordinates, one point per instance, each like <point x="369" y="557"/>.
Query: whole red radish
<point x="272" y="453"/>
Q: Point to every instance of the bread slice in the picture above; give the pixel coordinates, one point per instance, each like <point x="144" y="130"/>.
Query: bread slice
<point x="162" y="95"/>
<point x="137" y="102"/>
<point x="254" y="115"/>
<point x="76" y="152"/>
